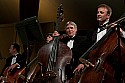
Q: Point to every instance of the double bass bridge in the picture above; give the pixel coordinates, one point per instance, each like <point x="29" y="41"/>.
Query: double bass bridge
<point x="49" y="75"/>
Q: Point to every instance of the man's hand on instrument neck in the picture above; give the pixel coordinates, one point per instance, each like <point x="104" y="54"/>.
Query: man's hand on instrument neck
<point x="55" y="33"/>
<point x="50" y="38"/>
<point x="114" y="25"/>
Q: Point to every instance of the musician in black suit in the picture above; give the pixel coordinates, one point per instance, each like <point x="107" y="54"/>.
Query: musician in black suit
<point x="103" y="16"/>
<point x="76" y="43"/>
<point x="16" y="61"/>
<point x="94" y="35"/>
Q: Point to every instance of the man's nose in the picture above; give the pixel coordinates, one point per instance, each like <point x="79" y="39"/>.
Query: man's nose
<point x="98" y="14"/>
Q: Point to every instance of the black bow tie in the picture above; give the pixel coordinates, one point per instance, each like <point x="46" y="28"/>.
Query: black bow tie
<point x="102" y="27"/>
<point x="14" y="56"/>
<point x="70" y="39"/>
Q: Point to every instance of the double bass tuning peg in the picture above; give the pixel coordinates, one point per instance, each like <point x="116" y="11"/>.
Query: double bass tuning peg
<point x="60" y="13"/>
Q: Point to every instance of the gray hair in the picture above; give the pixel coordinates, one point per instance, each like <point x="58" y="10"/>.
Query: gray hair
<point x="71" y="23"/>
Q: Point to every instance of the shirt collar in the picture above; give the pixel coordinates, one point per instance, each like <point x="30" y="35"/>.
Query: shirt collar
<point x="72" y="36"/>
<point x="16" y="54"/>
<point x="106" y="22"/>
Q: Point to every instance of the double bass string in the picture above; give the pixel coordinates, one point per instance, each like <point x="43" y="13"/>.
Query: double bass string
<point x="97" y="43"/>
<point x="53" y="54"/>
<point x="52" y="57"/>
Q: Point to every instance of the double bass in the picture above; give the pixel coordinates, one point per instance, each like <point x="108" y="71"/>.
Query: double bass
<point x="102" y="58"/>
<point x="11" y="77"/>
<point x="53" y="57"/>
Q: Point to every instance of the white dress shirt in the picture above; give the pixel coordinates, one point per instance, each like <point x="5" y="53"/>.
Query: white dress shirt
<point x="14" y="59"/>
<point x="70" y="43"/>
<point x="100" y="34"/>
<point x="123" y="34"/>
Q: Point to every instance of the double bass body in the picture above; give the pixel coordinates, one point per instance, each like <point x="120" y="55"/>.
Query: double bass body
<point x="54" y="57"/>
<point x="53" y="63"/>
<point x="103" y="59"/>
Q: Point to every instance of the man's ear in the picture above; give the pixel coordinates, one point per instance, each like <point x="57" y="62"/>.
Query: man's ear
<point x="108" y="15"/>
<point x="14" y="49"/>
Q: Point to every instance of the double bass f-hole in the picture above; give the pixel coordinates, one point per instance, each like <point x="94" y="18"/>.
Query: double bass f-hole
<point x="99" y="62"/>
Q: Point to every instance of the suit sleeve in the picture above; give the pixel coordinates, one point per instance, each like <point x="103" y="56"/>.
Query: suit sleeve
<point x="21" y="60"/>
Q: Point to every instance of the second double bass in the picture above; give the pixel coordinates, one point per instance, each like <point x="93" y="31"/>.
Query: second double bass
<point x="54" y="57"/>
<point x="102" y="60"/>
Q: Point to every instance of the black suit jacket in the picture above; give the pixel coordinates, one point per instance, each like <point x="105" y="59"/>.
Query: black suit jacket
<point x="92" y="33"/>
<point x="80" y="45"/>
<point x="21" y="60"/>
<point x="92" y="36"/>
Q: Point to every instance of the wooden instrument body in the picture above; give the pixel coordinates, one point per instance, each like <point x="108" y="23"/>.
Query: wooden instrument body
<point x="103" y="58"/>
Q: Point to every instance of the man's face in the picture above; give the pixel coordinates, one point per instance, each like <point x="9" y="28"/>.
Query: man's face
<point x="102" y="15"/>
<point x="71" y="30"/>
<point x="11" y="49"/>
